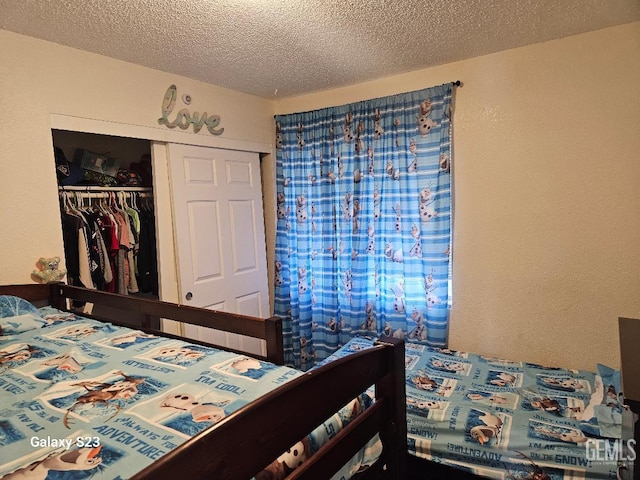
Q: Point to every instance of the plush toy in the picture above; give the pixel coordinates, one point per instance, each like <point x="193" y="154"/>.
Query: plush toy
<point x="286" y="463"/>
<point x="49" y="271"/>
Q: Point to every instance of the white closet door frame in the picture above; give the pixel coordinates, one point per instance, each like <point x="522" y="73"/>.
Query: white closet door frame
<point x="167" y="268"/>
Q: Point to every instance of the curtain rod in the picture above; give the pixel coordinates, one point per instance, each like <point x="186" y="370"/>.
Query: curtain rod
<point x="456" y="83"/>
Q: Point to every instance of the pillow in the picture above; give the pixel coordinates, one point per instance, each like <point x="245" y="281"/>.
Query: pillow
<point x="603" y="416"/>
<point x="17" y="315"/>
<point x="612" y="382"/>
<point x="11" y="306"/>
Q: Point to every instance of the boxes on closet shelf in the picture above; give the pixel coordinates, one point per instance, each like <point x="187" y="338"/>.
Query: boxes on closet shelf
<point x="97" y="162"/>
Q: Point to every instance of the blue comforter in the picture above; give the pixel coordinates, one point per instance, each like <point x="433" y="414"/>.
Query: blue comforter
<point x="503" y="419"/>
<point x="80" y="398"/>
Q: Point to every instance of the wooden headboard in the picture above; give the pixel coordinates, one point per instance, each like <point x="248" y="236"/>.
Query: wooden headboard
<point x="61" y="296"/>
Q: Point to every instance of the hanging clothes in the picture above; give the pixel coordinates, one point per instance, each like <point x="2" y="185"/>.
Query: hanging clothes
<point x="147" y="279"/>
<point x="71" y="226"/>
<point x="105" y="242"/>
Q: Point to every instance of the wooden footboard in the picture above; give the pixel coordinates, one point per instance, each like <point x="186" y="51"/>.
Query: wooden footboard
<point x="244" y="443"/>
<point x="143" y="311"/>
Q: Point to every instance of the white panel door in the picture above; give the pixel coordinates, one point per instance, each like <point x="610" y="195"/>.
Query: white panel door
<point x="219" y="234"/>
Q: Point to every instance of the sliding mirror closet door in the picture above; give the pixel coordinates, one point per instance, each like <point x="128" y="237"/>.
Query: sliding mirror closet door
<point x="219" y="236"/>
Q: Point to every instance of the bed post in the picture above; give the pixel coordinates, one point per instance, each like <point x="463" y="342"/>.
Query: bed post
<point x="394" y="434"/>
<point x="56" y="298"/>
<point x="629" y="334"/>
<point x="273" y="338"/>
<point x="634" y="405"/>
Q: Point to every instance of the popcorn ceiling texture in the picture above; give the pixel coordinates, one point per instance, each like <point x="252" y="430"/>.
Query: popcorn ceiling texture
<point x="303" y="46"/>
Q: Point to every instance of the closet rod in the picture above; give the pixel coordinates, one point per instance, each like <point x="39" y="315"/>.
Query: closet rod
<point x="89" y="188"/>
<point x="85" y="194"/>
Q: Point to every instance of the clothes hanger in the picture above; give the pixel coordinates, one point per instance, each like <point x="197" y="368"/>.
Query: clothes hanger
<point x="134" y="201"/>
<point x="79" y="203"/>
<point x="65" y="201"/>
<point x="102" y="205"/>
<point x="70" y="208"/>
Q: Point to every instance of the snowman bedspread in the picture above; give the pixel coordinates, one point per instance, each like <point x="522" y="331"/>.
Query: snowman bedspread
<point x="80" y="398"/>
<point x="509" y="420"/>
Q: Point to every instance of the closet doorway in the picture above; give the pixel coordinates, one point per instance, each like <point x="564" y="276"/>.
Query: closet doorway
<point x="105" y="188"/>
<point x="160" y="144"/>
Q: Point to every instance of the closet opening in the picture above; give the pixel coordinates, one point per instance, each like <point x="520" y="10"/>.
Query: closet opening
<point x="107" y="213"/>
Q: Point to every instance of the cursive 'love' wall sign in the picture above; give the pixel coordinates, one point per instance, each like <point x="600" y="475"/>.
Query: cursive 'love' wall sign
<point x="184" y="118"/>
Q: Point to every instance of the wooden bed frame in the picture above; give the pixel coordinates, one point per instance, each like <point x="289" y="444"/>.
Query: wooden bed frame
<point x="142" y="313"/>
<point x="280" y="418"/>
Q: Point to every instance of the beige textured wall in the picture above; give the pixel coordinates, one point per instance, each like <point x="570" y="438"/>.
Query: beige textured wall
<point x="547" y="194"/>
<point x="38" y="79"/>
<point x="547" y="176"/>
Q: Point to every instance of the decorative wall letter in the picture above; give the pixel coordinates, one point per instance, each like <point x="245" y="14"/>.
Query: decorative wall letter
<point x="184" y="118"/>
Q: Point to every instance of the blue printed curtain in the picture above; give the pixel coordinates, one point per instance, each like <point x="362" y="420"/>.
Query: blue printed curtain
<point x="363" y="222"/>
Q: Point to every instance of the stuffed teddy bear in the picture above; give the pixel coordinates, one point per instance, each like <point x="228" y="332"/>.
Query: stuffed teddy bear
<point x="49" y="271"/>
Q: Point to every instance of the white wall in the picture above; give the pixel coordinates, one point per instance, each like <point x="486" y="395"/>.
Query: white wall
<point x="43" y="85"/>
<point x="547" y="194"/>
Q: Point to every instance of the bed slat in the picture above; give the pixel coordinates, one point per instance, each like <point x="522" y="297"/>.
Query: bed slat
<point x="343" y="446"/>
<point x="57" y="294"/>
<point x="33" y="292"/>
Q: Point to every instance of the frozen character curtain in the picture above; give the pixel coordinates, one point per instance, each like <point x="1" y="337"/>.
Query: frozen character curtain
<point x="363" y="223"/>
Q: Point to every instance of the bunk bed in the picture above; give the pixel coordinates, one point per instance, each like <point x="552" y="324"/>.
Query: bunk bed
<point x="473" y="416"/>
<point x="77" y="390"/>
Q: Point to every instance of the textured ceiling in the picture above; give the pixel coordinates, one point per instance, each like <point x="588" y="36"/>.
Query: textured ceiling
<point x="294" y="47"/>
